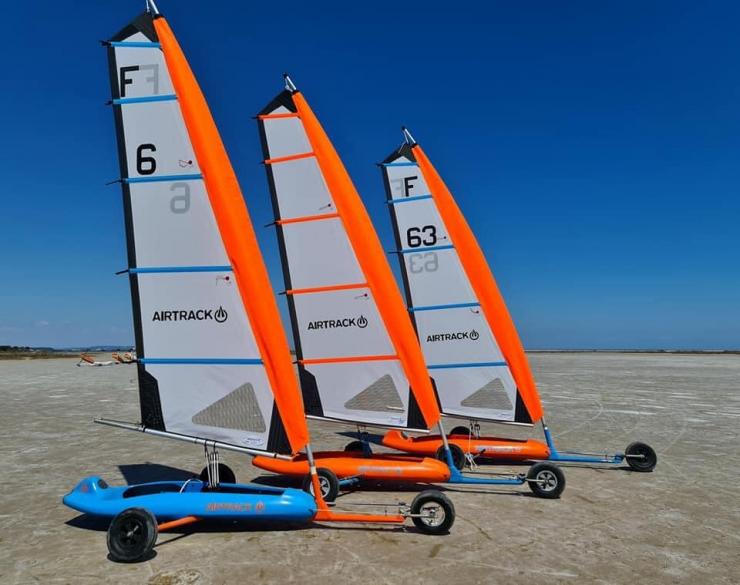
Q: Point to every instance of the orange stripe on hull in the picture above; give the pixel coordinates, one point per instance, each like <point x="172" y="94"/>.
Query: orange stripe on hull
<point x="320" y="289"/>
<point x="481" y="278"/>
<point x="282" y="159"/>
<point x="239" y="239"/>
<point x="307" y="218"/>
<point x="494" y="448"/>
<point x="348" y="360"/>
<point x="373" y="261"/>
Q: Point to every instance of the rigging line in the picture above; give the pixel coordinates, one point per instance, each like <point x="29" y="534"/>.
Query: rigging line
<point x="288" y="158"/>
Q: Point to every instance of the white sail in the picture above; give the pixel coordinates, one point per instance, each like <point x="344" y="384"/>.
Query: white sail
<point x="471" y="376"/>
<point x="200" y="370"/>
<point x="348" y="367"/>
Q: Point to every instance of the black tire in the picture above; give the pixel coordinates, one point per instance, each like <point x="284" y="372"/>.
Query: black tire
<point x="458" y="457"/>
<point x="131" y="536"/>
<point x="460" y="431"/>
<point x="647" y="462"/>
<point x="328" y="481"/>
<point x="225" y="474"/>
<point x="550" y="480"/>
<point x="354" y="447"/>
<point x="438" y="509"/>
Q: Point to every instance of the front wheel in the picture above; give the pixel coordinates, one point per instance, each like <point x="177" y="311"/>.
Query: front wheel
<point x="546" y="480"/>
<point x="433" y="512"/>
<point x="327" y="480"/>
<point x="641" y="457"/>
<point x="458" y="457"/>
<point x="131" y="536"/>
<point x="225" y="474"/>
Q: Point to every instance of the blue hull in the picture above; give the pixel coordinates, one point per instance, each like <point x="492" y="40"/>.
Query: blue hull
<point x="170" y="500"/>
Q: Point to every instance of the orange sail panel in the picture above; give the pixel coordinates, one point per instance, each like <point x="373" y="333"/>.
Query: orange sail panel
<point x="238" y="237"/>
<point x="414" y="198"/>
<point x="355" y="342"/>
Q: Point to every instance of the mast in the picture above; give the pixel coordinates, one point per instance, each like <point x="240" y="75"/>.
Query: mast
<point x="358" y="357"/>
<point x="213" y="361"/>
<point x="469" y="341"/>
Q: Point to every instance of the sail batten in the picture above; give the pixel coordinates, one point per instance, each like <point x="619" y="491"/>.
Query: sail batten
<point x="211" y="351"/>
<point x="467" y="338"/>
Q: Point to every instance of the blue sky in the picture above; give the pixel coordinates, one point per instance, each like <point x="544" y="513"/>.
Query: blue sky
<point x="594" y="146"/>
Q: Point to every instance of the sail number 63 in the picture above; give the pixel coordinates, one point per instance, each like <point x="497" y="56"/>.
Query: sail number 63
<point x="418" y="236"/>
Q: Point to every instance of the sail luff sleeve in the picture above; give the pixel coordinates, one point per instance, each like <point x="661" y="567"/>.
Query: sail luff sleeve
<point x="370" y="254"/>
<point x="481" y="278"/>
<point x="239" y="239"/>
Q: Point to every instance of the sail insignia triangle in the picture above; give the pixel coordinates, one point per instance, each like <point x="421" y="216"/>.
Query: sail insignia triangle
<point x="490" y="396"/>
<point x="380" y="396"/>
<point x="237" y="410"/>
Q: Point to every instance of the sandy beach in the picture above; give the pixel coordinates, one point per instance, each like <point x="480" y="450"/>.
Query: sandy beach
<point x="680" y="524"/>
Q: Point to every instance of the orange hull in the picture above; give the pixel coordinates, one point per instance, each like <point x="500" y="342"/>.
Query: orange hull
<point x="493" y="448"/>
<point x="380" y="467"/>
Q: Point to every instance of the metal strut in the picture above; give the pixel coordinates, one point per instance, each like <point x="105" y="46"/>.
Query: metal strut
<point x="212" y="462"/>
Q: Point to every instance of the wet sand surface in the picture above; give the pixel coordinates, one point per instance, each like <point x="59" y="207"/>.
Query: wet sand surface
<point x="679" y="524"/>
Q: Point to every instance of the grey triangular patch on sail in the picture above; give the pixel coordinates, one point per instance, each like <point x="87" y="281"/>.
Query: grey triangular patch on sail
<point x="237" y="410"/>
<point x="492" y="396"/>
<point x="380" y="396"/>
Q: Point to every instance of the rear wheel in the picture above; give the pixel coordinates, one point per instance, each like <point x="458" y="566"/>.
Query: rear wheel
<point x="131" y="536"/>
<point x="643" y="458"/>
<point x="433" y="512"/>
<point x="327" y="480"/>
<point x="225" y="474"/>
<point x="354" y="447"/>
<point x="460" y="431"/>
<point x="546" y="480"/>
<point x="458" y="457"/>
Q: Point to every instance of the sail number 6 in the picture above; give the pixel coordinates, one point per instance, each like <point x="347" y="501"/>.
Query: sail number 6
<point x="425" y="235"/>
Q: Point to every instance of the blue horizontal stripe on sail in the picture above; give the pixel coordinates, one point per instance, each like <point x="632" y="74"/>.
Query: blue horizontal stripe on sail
<point x="439" y="307"/>
<point x="160" y="269"/>
<point x="202" y="361"/>
<point x="142" y="100"/>
<point x="427" y="249"/>
<point x="405" y="199"/>
<point x="136" y="45"/>
<point x="162" y="178"/>
<point x="471" y="365"/>
<point x="408" y="164"/>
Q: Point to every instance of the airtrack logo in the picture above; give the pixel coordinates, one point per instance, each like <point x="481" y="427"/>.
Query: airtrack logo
<point x="219" y="315"/>
<point x="360" y="322"/>
<point x="472" y="335"/>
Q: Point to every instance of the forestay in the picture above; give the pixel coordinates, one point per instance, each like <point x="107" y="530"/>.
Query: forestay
<point x="201" y="369"/>
<point x="353" y="365"/>
<point x="472" y="373"/>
